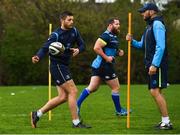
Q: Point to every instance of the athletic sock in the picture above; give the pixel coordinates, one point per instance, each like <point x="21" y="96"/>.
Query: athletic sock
<point x="76" y="122"/>
<point x="82" y="97"/>
<point x="165" y="120"/>
<point x="39" y="113"/>
<point x="116" y="100"/>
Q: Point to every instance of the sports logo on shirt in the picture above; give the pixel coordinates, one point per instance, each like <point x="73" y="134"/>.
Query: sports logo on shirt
<point x="154" y="82"/>
<point x="107" y="77"/>
<point x="67" y="76"/>
<point x="72" y="34"/>
<point x="114" y="41"/>
<point x="113" y="75"/>
<point x="57" y="81"/>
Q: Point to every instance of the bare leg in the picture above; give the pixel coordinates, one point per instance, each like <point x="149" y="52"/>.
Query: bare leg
<point x="51" y="104"/>
<point x="61" y="98"/>
<point x="114" y="85"/>
<point x="160" y="101"/>
<point x="93" y="86"/>
<point x="71" y="89"/>
<point x="94" y="83"/>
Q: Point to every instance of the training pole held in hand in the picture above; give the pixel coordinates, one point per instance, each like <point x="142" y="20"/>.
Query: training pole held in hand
<point x="129" y="72"/>
<point x="49" y="75"/>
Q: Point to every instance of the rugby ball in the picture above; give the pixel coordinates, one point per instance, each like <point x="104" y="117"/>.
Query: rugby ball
<point x="56" y="48"/>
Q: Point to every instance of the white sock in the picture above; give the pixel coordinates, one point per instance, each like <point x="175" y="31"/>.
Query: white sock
<point x="76" y="122"/>
<point x="165" y="120"/>
<point x="39" y="113"/>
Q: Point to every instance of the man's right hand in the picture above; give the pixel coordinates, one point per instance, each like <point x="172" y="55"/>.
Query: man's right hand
<point x="109" y="59"/>
<point x="35" y="59"/>
<point x="129" y="37"/>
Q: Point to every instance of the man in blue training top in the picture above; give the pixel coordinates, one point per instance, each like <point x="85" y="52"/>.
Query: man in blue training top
<point x="67" y="91"/>
<point x="106" y="48"/>
<point x="153" y="43"/>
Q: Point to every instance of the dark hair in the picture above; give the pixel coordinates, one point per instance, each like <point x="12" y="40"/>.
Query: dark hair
<point x="111" y="20"/>
<point x="64" y="14"/>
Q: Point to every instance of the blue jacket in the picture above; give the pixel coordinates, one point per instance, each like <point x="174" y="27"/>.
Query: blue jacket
<point x="153" y="42"/>
<point x="68" y="38"/>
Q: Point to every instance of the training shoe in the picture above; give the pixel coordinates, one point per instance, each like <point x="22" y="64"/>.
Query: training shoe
<point x="123" y="112"/>
<point x="81" y="125"/>
<point x="34" y="119"/>
<point x="164" y="126"/>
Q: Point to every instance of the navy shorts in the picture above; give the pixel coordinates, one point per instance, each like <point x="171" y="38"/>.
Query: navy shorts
<point x="106" y="72"/>
<point x="60" y="73"/>
<point x="158" y="80"/>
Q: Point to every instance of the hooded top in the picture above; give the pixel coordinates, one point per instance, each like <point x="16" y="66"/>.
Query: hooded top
<point x="153" y="42"/>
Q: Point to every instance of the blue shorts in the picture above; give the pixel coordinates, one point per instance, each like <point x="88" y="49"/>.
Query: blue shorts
<point x="158" y="80"/>
<point x="106" y="72"/>
<point x="60" y="73"/>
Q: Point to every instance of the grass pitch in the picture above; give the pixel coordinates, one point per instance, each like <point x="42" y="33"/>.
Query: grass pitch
<point x="16" y="103"/>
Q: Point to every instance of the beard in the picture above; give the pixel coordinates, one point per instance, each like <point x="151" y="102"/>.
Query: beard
<point x="147" y="19"/>
<point x="115" y="31"/>
<point x="68" y="26"/>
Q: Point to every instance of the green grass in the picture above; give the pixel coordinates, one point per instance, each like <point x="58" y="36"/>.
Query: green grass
<point x="97" y="110"/>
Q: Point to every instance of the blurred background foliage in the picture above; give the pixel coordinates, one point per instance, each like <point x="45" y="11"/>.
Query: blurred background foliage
<point x="24" y="29"/>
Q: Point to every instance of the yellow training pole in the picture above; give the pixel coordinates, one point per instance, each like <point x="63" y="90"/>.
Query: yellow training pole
<point x="129" y="70"/>
<point x="49" y="77"/>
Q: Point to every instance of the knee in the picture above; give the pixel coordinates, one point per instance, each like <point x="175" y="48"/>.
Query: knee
<point x="73" y="92"/>
<point x="154" y="92"/>
<point x="62" y="98"/>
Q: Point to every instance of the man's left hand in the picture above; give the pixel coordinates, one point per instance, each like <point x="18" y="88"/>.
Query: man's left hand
<point x="75" y="51"/>
<point x="152" y="70"/>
